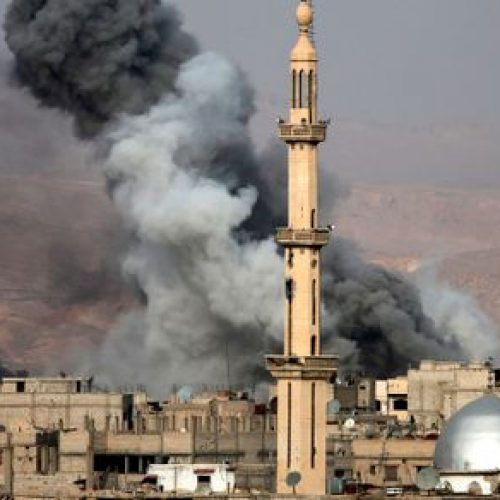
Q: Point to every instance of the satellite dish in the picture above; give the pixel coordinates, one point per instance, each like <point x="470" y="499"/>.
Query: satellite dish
<point x="333" y="407"/>
<point x="293" y="479"/>
<point x="427" y="479"/>
<point x="350" y="423"/>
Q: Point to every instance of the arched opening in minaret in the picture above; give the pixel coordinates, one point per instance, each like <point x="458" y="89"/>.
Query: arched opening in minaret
<point x="313" y="218"/>
<point x="304" y="90"/>
<point x="294" y="89"/>
<point x="301" y="88"/>
<point x="310" y="95"/>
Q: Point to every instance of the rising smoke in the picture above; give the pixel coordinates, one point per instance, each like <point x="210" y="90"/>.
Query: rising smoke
<point x="200" y="203"/>
<point x="97" y="58"/>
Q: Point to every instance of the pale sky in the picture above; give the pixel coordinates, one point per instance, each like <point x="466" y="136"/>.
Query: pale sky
<point x="411" y="85"/>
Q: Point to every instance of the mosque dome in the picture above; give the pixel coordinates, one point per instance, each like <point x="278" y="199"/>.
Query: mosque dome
<point x="471" y="439"/>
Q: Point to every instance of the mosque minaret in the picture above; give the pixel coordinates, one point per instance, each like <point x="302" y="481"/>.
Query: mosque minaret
<point x="302" y="372"/>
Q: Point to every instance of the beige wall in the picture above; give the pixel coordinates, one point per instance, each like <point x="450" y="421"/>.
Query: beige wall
<point x="439" y="389"/>
<point x="45" y="410"/>
<point x="371" y="457"/>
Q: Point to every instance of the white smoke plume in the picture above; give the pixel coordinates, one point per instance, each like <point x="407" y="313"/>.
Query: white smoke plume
<point x="458" y="316"/>
<point x="200" y="204"/>
<point x="205" y="289"/>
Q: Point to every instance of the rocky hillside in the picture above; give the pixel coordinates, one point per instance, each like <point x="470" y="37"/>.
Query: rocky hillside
<point x="60" y="287"/>
<point x="406" y="227"/>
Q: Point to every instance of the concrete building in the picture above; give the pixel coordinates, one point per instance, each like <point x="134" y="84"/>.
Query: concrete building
<point x="302" y="373"/>
<point x="438" y="389"/>
<point x="58" y="433"/>
<point x="391" y="397"/>
<point x="63" y="402"/>
<point x="385" y="462"/>
<point x="356" y="393"/>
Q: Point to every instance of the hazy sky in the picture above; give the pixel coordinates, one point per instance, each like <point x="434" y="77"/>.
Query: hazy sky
<point x="411" y="85"/>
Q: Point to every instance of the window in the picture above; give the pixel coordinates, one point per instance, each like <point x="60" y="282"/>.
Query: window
<point x="378" y="405"/>
<point x="373" y="470"/>
<point x="313" y="218"/>
<point x="391" y="473"/>
<point x="400" y="404"/>
<point x="289" y="288"/>
<point x="294" y="89"/>
<point x="20" y="386"/>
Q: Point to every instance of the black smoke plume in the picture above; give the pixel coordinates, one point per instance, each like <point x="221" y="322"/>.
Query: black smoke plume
<point x="200" y="201"/>
<point x="97" y="58"/>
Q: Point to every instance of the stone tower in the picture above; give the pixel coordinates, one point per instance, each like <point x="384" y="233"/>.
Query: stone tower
<point x="302" y="373"/>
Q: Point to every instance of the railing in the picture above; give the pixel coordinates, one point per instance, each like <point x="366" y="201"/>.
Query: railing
<point x="303" y="132"/>
<point x="306" y="237"/>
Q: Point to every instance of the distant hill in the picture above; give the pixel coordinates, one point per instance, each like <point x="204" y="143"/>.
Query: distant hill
<point x="60" y="283"/>
<point x="405" y="226"/>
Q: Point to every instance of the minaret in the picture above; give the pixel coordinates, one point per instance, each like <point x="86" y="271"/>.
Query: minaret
<point x="302" y="373"/>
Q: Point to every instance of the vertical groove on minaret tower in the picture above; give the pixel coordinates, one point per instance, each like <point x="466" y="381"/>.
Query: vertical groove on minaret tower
<point x="313" y="425"/>
<point x="289" y="433"/>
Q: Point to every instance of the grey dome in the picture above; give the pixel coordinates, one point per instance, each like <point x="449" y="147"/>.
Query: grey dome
<point x="471" y="440"/>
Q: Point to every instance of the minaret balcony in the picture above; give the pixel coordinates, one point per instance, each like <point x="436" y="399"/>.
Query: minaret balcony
<point x="286" y="236"/>
<point x="320" y="367"/>
<point x="304" y="132"/>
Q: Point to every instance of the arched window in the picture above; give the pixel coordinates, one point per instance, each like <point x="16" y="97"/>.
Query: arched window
<point x="305" y="90"/>
<point x="301" y="89"/>
<point x="294" y="89"/>
<point x="310" y="94"/>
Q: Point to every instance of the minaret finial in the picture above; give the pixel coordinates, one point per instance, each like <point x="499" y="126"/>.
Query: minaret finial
<point x="305" y="16"/>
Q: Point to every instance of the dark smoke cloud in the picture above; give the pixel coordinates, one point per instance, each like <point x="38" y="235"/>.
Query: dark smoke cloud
<point x="97" y="58"/>
<point x="377" y="312"/>
<point x="200" y="201"/>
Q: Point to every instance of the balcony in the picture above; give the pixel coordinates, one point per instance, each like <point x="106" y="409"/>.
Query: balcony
<point x="302" y="133"/>
<point x="323" y="366"/>
<point x="286" y="236"/>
